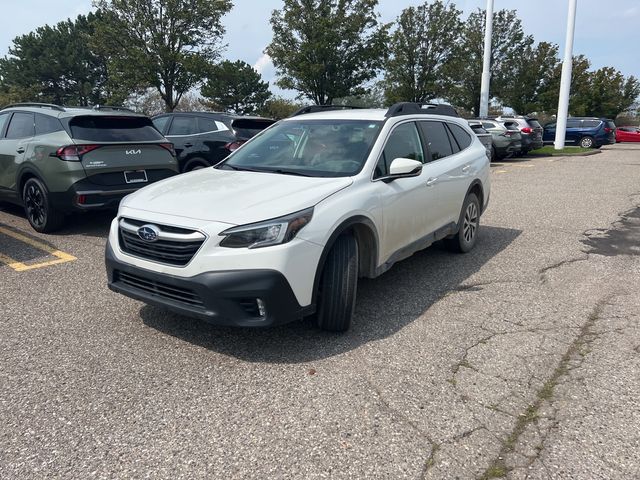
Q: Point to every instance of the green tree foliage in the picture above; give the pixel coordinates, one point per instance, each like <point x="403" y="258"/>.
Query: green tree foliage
<point x="235" y="87"/>
<point x="278" y="108"/>
<point x="533" y="73"/>
<point x="610" y="93"/>
<point x="164" y="44"/>
<point x="326" y="49"/>
<point x="55" y="64"/>
<point x="421" y="50"/>
<point x="508" y="41"/>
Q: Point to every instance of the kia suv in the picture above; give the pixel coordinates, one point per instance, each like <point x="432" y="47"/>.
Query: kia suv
<point x="202" y="139"/>
<point x="507" y="140"/>
<point x="588" y="132"/>
<point x="530" y="131"/>
<point x="285" y="226"/>
<point x="56" y="160"/>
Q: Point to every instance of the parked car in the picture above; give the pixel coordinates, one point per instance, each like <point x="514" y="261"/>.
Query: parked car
<point x="202" y="139"/>
<point x="285" y="225"/>
<point x="628" y="134"/>
<point x="588" y="132"/>
<point x="485" y="137"/>
<point x="56" y="160"/>
<point x="530" y="131"/>
<point x="507" y="141"/>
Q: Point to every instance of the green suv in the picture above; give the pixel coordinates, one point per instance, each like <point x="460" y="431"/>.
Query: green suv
<point x="56" y="160"/>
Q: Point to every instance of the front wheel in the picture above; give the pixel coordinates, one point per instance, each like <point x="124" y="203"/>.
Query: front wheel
<point x="338" y="283"/>
<point x="468" y="226"/>
<point x="42" y="216"/>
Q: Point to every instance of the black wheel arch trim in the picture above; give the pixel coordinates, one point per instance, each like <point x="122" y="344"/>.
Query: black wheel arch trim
<point x="24" y="174"/>
<point x="482" y="199"/>
<point x="371" y="258"/>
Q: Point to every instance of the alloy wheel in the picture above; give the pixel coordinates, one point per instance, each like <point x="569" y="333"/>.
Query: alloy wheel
<point x="35" y="203"/>
<point x="470" y="223"/>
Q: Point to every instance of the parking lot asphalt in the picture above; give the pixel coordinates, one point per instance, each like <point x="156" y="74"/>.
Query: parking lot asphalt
<point x="520" y="359"/>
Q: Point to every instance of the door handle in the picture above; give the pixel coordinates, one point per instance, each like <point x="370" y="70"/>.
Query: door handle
<point x="466" y="168"/>
<point x="432" y="181"/>
<point x="20" y="150"/>
<point x="188" y="145"/>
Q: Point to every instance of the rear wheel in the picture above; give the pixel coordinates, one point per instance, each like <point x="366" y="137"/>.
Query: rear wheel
<point x="469" y="224"/>
<point x="338" y="284"/>
<point x="196" y="164"/>
<point x="587" y="142"/>
<point x="42" y="216"/>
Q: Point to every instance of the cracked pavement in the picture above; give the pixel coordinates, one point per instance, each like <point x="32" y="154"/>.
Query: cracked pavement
<point x="518" y="360"/>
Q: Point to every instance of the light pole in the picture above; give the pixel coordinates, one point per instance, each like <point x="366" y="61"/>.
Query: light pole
<point x="565" y="82"/>
<point x="486" y="65"/>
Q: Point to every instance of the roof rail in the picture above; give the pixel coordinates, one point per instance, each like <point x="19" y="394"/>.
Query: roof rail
<point x="411" y="108"/>
<point x="36" y="105"/>
<point x="322" y="108"/>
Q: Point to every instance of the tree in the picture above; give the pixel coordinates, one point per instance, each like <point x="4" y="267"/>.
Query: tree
<point x="421" y="49"/>
<point x="235" y="87"/>
<point x="508" y="41"/>
<point x="326" y="49"/>
<point x="533" y="72"/>
<point x="579" y="90"/>
<point x="164" y="44"/>
<point x="279" y="108"/>
<point x="55" y="64"/>
<point x="611" y="93"/>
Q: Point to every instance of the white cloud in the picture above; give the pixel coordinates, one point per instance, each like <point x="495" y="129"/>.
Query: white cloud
<point x="263" y="63"/>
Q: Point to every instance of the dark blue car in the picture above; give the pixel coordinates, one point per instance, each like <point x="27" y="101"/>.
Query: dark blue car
<point x="588" y="132"/>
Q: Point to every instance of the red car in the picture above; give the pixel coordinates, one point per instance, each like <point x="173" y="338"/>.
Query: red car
<point x="628" y="134"/>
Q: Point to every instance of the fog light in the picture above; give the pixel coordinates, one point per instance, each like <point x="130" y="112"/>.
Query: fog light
<point x="262" y="308"/>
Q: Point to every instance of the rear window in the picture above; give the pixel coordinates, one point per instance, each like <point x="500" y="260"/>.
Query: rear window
<point x="512" y="126"/>
<point x="21" y="126"/>
<point x="462" y="137"/>
<point x="247" y="128"/>
<point x="113" y="129"/>
<point x="477" y="129"/>
<point x="46" y="124"/>
<point x="534" y="123"/>
<point x="611" y="124"/>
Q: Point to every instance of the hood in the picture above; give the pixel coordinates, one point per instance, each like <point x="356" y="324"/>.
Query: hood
<point x="233" y="197"/>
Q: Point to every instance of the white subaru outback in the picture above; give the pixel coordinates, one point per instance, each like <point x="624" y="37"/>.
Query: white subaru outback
<point x="285" y="225"/>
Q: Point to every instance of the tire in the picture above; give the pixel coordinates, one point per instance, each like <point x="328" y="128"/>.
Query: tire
<point x="42" y="216"/>
<point x="338" y="283"/>
<point x="587" y="142"/>
<point x="469" y="224"/>
<point x="196" y="164"/>
<point x="494" y="157"/>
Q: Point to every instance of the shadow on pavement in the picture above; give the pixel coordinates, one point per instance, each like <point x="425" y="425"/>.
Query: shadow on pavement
<point x="92" y="224"/>
<point x="385" y="305"/>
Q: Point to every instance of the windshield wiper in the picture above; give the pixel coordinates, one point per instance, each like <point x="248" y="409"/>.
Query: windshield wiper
<point x="283" y="171"/>
<point x="239" y="169"/>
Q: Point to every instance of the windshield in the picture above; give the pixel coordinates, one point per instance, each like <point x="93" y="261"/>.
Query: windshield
<point x="314" y="148"/>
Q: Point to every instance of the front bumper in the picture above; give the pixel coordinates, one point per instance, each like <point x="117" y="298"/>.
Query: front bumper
<point x="222" y="297"/>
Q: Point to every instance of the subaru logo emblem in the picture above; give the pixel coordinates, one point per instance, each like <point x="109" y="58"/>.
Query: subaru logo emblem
<point x="149" y="233"/>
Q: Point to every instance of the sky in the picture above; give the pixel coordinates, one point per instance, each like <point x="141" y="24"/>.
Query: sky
<point x="608" y="33"/>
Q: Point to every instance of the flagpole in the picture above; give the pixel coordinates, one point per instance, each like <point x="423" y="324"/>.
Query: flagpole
<point x="486" y="65"/>
<point x="565" y="82"/>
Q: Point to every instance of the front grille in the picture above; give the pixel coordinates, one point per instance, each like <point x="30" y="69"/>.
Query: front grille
<point x="174" y="246"/>
<point x="159" y="289"/>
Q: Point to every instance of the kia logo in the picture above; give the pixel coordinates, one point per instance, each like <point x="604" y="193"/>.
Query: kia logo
<point x="149" y="233"/>
<point x="133" y="152"/>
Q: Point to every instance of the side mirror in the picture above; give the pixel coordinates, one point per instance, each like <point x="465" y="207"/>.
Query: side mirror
<point x="404" y="167"/>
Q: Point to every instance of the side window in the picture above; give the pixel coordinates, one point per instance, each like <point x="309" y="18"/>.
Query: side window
<point x="404" y="142"/>
<point x="161" y="123"/>
<point x="4" y="117"/>
<point x="572" y="123"/>
<point x="591" y="123"/>
<point x="437" y="138"/>
<point x="183" y="125"/>
<point x="460" y="134"/>
<point x="488" y="125"/>
<point x="46" y="124"/>
<point x="21" y="125"/>
<point x="206" y="125"/>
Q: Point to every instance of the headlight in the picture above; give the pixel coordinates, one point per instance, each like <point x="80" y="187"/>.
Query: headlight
<point x="271" y="232"/>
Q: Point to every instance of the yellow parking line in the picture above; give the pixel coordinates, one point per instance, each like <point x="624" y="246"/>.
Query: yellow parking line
<point x="525" y="166"/>
<point x="501" y="171"/>
<point x="62" y="257"/>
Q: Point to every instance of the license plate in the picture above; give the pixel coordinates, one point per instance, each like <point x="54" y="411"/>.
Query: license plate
<point x="135" y="176"/>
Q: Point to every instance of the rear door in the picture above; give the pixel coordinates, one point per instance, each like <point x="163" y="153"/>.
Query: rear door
<point x="574" y="130"/>
<point x="183" y="133"/>
<point x="19" y="131"/>
<point x="537" y="130"/>
<point x="121" y="150"/>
